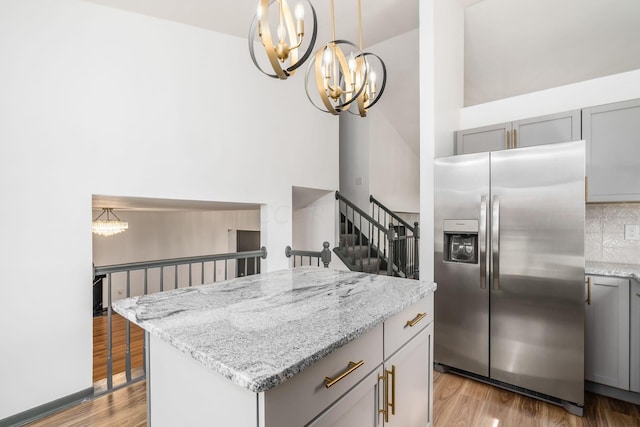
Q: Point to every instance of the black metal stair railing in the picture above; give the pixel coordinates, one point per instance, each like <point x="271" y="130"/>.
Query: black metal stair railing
<point x="406" y="254"/>
<point x="365" y="244"/>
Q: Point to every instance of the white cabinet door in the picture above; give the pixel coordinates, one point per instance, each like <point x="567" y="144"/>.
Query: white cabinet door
<point x="480" y="140"/>
<point x="607" y="332"/>
<point x="413" y="369"/>
<point x="612" y="134"/>
<point x="359" y="407"/>
<point x="635" y="337"/>
<point x="561" y="127"/>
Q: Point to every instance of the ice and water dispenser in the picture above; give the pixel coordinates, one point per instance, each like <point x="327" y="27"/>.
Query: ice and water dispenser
<point x="461" y="240"/>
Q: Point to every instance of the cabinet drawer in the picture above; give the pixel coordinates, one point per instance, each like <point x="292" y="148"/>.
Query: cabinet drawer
<point x="397" y="330"/>
<point x="298" y="400"/>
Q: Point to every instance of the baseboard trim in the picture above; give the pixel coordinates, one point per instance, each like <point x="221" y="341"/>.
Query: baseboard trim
<point x="616" y="393"/>
<point x="33" y="414"/>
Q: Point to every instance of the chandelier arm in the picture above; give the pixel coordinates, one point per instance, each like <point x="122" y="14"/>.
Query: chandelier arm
<point x="312" y="44"/>
<point x="267" y="42"/>
<point x="384" y="79"/>
<point x="291" y="31"/>
<point x="101" y="213"/>
<point x="345" y="67"/>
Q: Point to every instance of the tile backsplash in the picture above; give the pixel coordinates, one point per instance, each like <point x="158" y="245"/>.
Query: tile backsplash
<point x="604" y="233"/>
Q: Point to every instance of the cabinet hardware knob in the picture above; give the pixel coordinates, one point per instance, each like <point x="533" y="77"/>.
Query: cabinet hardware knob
<point x="413" y="322"/>
<point x="330" y="382"/>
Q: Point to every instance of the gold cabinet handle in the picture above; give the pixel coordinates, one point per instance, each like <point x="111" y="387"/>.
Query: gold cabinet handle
<point x="388" y="404"/>
<point x="506" y="145"/>
<point x="330" y="382"/>
<point x="515" y="138"/>
<point x="393" y="389"/>
<point x="413" y="322"/>
<point x="588" y="301"/>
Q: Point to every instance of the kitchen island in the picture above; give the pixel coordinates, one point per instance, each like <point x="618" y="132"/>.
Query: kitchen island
<point x="304" y="346"/>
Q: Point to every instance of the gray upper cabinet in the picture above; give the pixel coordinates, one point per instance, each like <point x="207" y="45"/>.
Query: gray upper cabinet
<point x="487" y="138"/>
<point x="549" y="129"/>
<point x="562" y="127"/>
<point x="612" y="133"/>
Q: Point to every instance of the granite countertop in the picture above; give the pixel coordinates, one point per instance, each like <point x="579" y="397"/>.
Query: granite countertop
<point x="630" y="271"/>
<point x="260" y="330"/>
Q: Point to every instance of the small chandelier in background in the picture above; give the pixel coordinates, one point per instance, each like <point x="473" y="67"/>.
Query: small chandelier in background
<point x="286" y="56"/>
<point x="108" y="226"/>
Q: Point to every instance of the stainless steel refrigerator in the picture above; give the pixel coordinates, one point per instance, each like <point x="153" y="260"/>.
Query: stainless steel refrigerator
<point x="509" y="263"/>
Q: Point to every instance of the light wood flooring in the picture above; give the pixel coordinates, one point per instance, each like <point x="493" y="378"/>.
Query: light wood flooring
<point x="457" y="402"/>
<point x="118" y="350"/>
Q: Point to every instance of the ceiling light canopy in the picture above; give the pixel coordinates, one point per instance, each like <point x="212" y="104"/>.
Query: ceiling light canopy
<point x="108" y="226"/>
<point x="291" y="50"/>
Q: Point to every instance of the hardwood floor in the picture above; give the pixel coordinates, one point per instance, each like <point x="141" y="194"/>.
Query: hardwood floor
<point x="457" y="402"/>
<point x="118" y="349"/>
<point x="461" y="402"/>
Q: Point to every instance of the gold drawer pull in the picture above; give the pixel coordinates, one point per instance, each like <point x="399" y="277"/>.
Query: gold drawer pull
<point x="415" y="320"/>
<point x="329" y="382"/>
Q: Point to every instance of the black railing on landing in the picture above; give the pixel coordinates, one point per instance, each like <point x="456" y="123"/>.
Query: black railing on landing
<point x="308" y="257"/>
<point x="407" y="253"/>
<point x="152" y="276"/>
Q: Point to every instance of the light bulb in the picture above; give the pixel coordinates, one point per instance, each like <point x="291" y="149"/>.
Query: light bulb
<point x="281" y="33"/>
<point x="327" y="57"/>
<point x="352" y="63"/>
<point x="259" y="12"/>
<point x="372" y="77"/>
<point x="299" y="12"/>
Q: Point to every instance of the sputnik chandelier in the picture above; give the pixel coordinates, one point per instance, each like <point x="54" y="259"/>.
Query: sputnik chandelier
<point x="108" y="226"/>
<point x="339" y="82"/>
<point x="289" y="53"/>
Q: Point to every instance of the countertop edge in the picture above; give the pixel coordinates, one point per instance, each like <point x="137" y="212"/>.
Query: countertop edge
<point x="264" y="383"/>
<point x="625" y="271"/>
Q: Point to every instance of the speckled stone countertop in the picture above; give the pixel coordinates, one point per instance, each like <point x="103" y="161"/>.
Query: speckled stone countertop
<point x="260" y="330"/>
<point x="631" y="271"/>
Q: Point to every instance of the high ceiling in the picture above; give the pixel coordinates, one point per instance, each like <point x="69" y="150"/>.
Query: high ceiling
<point x="382" y="19"/>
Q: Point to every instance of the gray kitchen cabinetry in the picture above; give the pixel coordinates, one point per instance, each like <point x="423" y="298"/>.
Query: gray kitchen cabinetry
<point x="549" y="129"/>
<point x="612" y="134"/>
<point x="607" y="331"/>
<point x="635" y="337"/>
<point x="398" y="392"/>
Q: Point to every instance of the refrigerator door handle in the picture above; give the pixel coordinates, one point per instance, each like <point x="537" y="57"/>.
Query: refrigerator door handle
<point x="495" y="242"/>
<point x="483" y="242"/>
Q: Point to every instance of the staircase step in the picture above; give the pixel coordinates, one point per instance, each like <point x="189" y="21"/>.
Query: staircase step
<point x="368" y="265"/>
<point x="356" y="252"/>
<point x="348" y="239"/>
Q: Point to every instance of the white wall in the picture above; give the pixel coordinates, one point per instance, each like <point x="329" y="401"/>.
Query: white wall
<point x="441" y="97"/>
<point x="392" y="174"/>
<point x="394" y="167"/>
<point x="354" y="159"/>
<point x="603" y="90"/>
<point x="100" y="101"/>
<point x="315" y="223"/>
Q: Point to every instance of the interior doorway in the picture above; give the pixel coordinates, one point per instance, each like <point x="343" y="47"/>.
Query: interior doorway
<point x="247" y="241"/>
